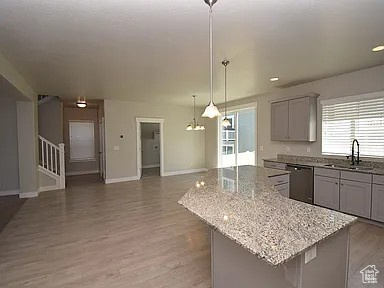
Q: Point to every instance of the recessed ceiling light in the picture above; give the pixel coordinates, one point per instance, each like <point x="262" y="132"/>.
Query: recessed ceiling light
<point x="378" y="48"/>
<point x="274" y="79"/>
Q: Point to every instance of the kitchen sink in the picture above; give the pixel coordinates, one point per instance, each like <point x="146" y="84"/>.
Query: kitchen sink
<point x="356" y="168"/>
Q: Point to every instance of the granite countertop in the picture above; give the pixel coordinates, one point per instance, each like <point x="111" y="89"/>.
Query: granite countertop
<point x="241" y="203"/>
<point x="321" y="162"/>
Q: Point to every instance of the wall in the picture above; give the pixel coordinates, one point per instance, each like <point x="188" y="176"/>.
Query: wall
<point x="355" y="83"/>
<point x="51" y="120"/>
<point x="9" y="164"/>
<point x="183" y="150"/>
<point x="80" y="114"/>
<point x="150" y="156"/>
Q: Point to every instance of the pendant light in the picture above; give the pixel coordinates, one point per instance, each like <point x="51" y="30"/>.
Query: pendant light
<point x="225" y="122"/>
<point x="194" y="125"/>
<point x="211" y="110"/>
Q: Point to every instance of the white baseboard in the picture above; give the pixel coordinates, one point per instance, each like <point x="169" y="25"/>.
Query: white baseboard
<point x="82" y="173"/>
<point x="48" y="188"/>
<point x="173" y="173"/>
<point x="28" y="194"/>
<point x="124" y="179"/>
<point x="9" y="192"/>
<point x="151" y="166"/>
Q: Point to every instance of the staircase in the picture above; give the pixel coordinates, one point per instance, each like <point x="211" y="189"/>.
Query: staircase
<point x="51" y="165"/>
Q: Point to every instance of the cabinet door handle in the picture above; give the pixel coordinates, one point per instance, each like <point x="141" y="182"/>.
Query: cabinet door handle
<point x="336" y="183"/>
<point x="342" y="184"/>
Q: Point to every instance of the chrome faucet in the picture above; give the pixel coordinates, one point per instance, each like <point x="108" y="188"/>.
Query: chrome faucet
<point x="354" y="160"/>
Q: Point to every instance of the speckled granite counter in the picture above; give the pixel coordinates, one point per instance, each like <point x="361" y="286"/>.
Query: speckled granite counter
<point x="241" y="204"/>
<point x="377" y="167"/>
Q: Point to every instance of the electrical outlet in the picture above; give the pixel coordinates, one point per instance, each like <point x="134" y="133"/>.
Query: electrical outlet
<point x="310" y="254"/>
<point x="261" y="148"/>
<point x="116" y="148"/>
<point x="288" y="149"/>
<point x="308" y="149"/>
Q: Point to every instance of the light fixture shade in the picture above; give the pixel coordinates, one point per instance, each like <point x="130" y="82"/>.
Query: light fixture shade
<point x="189" y="127"/>
<point x="211" y="111"/>
<point x="226" y="122"/>
<point x="81" y="104"/>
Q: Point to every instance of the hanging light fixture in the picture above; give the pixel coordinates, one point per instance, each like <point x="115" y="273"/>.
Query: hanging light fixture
<point x="225" y="122"/>
<point x="211" y="110"/>
<point x="194" y="125"/>
<point x="81" y="103"/>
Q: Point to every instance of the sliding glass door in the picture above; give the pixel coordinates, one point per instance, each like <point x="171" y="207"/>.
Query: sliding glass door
<point x="237" y="141"/>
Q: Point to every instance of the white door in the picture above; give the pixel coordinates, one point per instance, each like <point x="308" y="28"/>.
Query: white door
<point x="237" y="141"/>
<point x="102" y="148"/>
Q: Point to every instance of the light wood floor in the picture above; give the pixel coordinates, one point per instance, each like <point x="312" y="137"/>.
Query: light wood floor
<point x="131" y="234"/>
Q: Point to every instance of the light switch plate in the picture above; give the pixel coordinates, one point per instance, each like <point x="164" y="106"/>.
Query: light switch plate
<point x="261" y="148"/>
<point x="116" y="148"/>
<point x="310" y="254"/>
<point x="288" y="148"/>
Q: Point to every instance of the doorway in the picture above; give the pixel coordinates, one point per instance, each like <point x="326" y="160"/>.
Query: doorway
<point x="149" y="147"/>
<point x="237" y="143"/>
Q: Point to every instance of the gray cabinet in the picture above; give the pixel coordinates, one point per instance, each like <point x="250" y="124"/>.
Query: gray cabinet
<point x="279" y="121"/>
<point x="327" y="192"/>
<point x="377" y="202"/>
<point x="281" y="184"/>
<point x="294" y="120"/>
<point x="355" y="198"/>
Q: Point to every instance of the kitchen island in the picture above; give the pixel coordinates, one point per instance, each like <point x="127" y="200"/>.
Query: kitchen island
<point x="262" y="239"/>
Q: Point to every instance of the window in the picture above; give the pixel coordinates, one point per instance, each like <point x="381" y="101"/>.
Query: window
<point x="82" y="141"/>
<point x="353" y="119"/>
<point x="228" y="149"/>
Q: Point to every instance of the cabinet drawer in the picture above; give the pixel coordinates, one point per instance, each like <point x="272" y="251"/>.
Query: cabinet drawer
<point x="355" y="176"/>
<point x="327" y="172"/>
<point x="378" y="179"/>
<point x="275" y="165"/>
<point x="377" y="203"/>
<point x="283" y="189"/>
<point x="277" y="180"/>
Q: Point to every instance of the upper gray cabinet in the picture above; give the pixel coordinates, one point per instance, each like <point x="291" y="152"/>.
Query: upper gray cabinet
<point x="294" y="120"/>
<point x="279" y="121"/>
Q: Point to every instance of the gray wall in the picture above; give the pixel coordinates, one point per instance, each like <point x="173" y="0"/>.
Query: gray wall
<point x="9" y="163"/>
<point x="51" y="120"/>
<point x="80" y="114"/>
<point x="355" y="83"/>
<point x="183" y="150"/>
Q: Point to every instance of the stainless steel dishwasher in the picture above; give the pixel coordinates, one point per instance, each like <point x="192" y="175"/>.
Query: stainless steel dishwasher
<point x="301" y="183"/>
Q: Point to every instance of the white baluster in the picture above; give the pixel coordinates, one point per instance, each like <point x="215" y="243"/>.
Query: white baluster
<point x="62" y="165"/>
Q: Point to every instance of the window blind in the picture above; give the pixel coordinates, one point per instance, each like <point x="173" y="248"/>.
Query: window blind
<point x="82" y="141"/>
<point x="362" y="120"/>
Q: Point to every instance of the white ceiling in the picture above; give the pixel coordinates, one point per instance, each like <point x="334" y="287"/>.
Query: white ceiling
<point x="158" y="50"/>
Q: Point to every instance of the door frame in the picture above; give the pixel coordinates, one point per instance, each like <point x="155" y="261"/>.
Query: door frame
<point x="139" y="163"/>
<point x="102" y="162"/>
<point x="235" y="109"/>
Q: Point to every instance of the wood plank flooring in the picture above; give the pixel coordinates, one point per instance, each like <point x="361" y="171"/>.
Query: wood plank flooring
<point x="131" y="234"/>
<point x="9" y="205"/>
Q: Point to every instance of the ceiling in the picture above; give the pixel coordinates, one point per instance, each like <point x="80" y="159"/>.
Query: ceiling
<point x="157" y="51"/>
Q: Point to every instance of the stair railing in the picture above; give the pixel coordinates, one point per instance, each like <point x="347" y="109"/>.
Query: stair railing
<point x="51" y="157"/>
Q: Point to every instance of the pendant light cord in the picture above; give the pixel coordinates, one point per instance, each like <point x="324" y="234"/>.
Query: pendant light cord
<point x="194" y="105"/>
<point x="211" y="50"/>
<point x="225" y="92"/>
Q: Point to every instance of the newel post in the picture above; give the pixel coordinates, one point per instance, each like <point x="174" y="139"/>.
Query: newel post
<point x="62" y="165"/>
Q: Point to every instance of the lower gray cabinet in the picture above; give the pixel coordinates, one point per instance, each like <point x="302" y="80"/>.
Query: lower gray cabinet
<point x="355" y="198"/>
<point x="326" y="192"/>
<point x="283" y="189"/>
<point x="377" y="202"/>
